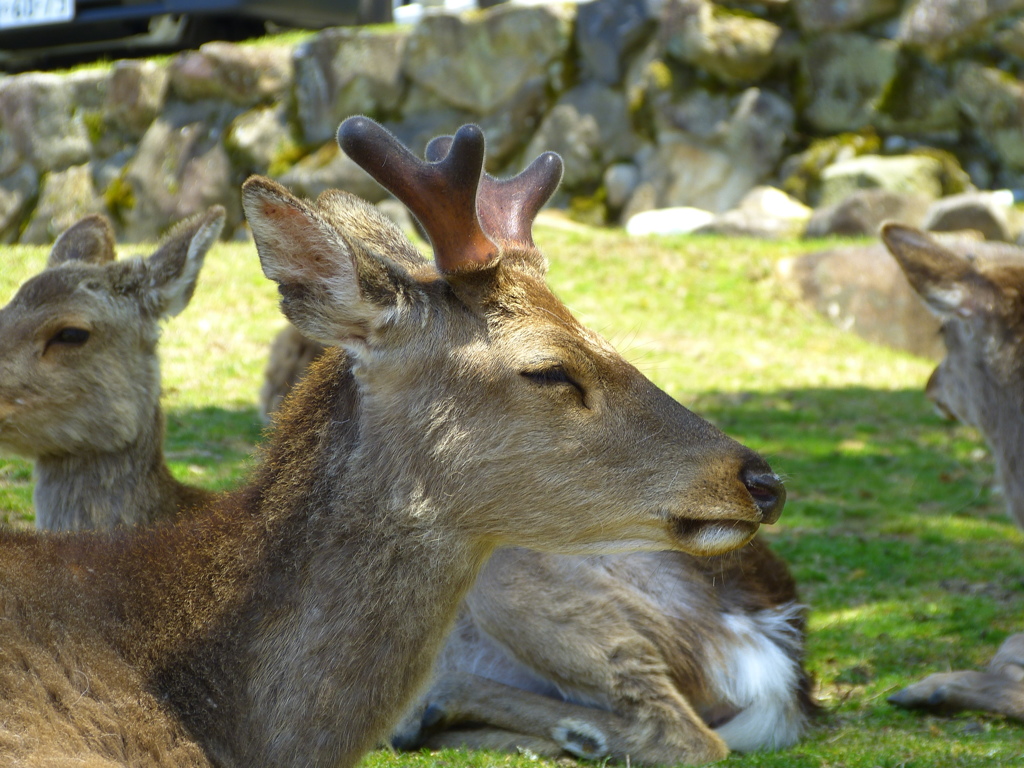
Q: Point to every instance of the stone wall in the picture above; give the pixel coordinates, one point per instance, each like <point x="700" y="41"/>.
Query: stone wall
<point x="652" y="105"/>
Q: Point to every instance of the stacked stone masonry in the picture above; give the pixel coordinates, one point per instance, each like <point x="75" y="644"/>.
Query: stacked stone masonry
<point x="677" y="103"/>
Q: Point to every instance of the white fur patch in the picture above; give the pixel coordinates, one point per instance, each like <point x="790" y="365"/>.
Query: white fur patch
<point x="759" y="675"/>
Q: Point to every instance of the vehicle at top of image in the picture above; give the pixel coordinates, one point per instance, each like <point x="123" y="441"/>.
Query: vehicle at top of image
<point x="44" y="33"/>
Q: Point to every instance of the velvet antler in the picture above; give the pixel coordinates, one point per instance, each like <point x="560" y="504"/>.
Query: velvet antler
<point x="507" y="207"/>
<point x="442" y="195"/>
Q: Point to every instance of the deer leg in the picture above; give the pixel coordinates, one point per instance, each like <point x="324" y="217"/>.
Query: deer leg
<point x="493" y="740"/>
<point x="597" y="641"/>
<point x="999" y="690"/>
<point x="461" y="697"/>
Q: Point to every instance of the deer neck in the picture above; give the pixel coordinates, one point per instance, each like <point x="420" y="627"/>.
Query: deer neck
<point x="302" y="614"/>
<point x="1008" y="451"/>
<point x="103" y="489"/>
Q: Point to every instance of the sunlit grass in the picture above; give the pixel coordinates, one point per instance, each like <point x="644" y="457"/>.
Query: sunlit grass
<point x="893" y="528"/>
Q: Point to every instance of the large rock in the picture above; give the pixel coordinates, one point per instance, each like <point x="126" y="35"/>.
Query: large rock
<point x="842" y="78"/>
<point x="245" y="75"/>
<point x="480" y="62"/>
<point x="261" y="141"/>
<point x="863" y="211"/>
<point x="993" y="100"/>
<point x="180" y="168"/>
<point x="66" y="196"/>
<point x="734" y="48"/>
<point x="590" y="128"/>
<point x="940" y="27"/>
<point x="986" y="212"/>
<point x="919" y="175"/>
<point x="711" y="163"/>
<point x="680" y="220"/>
<point x="17" y="192"/>
<point x="136" y="95"/>
<point x="41" y="123"/>
<point x="342" y="72"/>
<point x="330" y="168"/>
<point x="607" y="31"/>
<point x="507" y="129"/>
<point x="817" y="16"/>
<point x="919" y="100"/>
<point x="862" y="289"/>
<point x="764" y="212"/>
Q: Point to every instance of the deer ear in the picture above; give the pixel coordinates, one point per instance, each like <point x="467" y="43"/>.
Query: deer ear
<point x="89" y="240"/>
<point x="948" y="283"/>
<point x="173" y="269"/>
<point x="333" y="285"/>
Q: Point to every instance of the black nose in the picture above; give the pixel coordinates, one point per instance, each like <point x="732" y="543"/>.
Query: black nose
<point x="768" y="492"/>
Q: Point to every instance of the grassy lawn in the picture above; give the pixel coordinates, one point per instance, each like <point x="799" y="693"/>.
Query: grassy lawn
<point x="893" y="529"/>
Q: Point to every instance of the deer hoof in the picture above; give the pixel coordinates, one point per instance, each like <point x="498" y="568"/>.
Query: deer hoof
<point x="580" y="738"/>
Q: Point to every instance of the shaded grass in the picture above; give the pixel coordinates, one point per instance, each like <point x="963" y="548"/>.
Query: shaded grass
<point x="893" y="530"/>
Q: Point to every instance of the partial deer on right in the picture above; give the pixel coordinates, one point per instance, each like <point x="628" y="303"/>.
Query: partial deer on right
<point x="979" y="295"/>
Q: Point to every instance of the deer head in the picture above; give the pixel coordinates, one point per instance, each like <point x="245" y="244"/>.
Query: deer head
<point x="78" y="341"/>
<point x="471" y="366"/>
<point x="980" y="381"/>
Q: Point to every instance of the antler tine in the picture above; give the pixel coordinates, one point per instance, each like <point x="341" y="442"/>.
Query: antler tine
<point x="507" y="207"/>
<point x="442" y="195"/>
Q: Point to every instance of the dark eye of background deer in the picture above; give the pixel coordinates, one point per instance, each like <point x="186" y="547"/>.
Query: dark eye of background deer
<point x="71" y="337"/>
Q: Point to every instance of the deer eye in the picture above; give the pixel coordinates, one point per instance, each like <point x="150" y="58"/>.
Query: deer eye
<point x="69" y="337"/>
<point x="552" y="376"/>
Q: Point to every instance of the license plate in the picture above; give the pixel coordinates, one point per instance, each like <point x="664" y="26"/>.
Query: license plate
<point x="32" y="13"/>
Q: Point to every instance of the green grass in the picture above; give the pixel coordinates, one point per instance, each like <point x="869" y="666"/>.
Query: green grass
<point x="892" y="528"/>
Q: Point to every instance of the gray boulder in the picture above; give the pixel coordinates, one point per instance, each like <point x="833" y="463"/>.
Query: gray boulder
<point x="342" y="72"/>
<point x="862" y="289"/>
<point x="589" y="127"/>
<point x="842" y="78"/>
<point x="330" y="168"/>
<point x="993" y="100"/>
<point x="41" y="122"/>
<point x="606" y="32"/>
<point x="180" y="168"/>
<point x="919" y="100"/>
<point x="984" y="212"/>
<point x="17" y="192"/>
<point x="65" y="197"/>
<point x="918" y="175"/>
<point x="261" y="140"/>
<point x="764" y="212"/>
<point x="136" y="95"/>
<point x="244" y="75"/>
<point x="940" y="27"/>
<point x="734" y="48"/>
<point x="476" y="63"/>
<point x="712" y="165"/>
<point x="817" y="16"/>
<point x="620" y="181"/>
<point x="863" y="211"/>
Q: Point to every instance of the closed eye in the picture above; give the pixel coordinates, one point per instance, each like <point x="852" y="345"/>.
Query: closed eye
<point x="554" y="374"/>
<point x="69" y="337"/>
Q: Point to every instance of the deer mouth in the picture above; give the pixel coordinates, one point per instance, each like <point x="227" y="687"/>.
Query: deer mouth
<point x="712" y="537"/>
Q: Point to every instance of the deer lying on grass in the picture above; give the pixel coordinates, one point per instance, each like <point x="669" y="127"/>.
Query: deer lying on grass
<point x="980" y="382"/>
<point x="80" y="380"/>
<point x="661" y="656"/>
<point x="469" y="410"/>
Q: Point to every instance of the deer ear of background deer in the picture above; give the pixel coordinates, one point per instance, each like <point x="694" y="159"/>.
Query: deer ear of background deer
<point x="172" y="270"/>
<point x="948" y="282"/>
<point x="89" y="240"/>
<point x="334" y="286"/>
